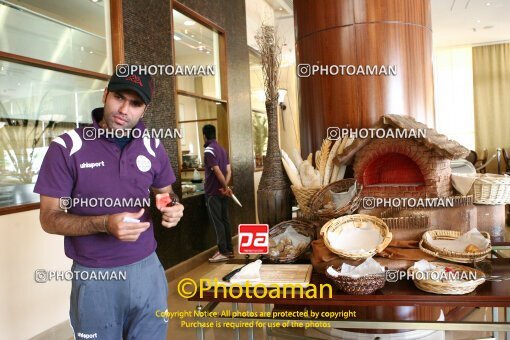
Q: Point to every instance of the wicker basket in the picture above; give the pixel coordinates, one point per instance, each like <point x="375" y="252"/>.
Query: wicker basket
<point x="358" y="219"/>
<point x="448" y="287"/>
<point x="301" y="227"/>
<point x="455" y="256"/>
<point x="407" y="228"/>
<point x="303" y="196"/>
<point x="363" y="285"/>
<point x="444" y="256"/>
<point x="318" y="200"/>
<point x="491" y="189"/>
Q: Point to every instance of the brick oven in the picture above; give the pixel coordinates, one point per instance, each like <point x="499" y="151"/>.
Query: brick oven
<point x="411" y="167"/>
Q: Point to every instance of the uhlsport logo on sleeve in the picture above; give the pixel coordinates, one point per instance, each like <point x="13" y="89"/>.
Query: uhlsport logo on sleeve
<point x="253" y="239"/>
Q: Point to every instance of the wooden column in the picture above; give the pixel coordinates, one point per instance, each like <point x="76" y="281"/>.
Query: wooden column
<point x="362" y="32"/>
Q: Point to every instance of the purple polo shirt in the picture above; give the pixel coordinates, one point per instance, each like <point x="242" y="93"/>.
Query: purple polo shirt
<point x="214" y="154"/>
<point x="79" y="168"/>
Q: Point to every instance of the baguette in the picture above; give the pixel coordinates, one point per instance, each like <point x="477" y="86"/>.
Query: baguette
<point x="293" y="176"/>
<point x="329" y="162"/>
<point x="341" y="172"/>
<point x="290" y="163"/>
<point x="295" y="156"/>
<point x="309" y="176"/>
<point x="326" y="145"/>
<point x="336" y="166"/>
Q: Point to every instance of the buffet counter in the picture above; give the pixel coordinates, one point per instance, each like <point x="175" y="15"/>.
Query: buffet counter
<point x="394" y="294"/>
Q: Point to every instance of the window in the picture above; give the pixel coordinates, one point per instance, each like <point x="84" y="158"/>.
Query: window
<point x="71" y="33"/>
<point x="55" y="57"/>
<point x="201" y="99"/>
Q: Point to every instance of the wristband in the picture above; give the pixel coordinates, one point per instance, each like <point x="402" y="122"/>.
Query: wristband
<point x="105" y="227"/>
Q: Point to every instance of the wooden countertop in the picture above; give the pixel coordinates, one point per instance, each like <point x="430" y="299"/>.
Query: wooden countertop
<point x="401" y="293"/>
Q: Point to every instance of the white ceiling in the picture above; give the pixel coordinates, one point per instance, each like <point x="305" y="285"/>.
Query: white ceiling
<point x="470" y="22"/>
<point x="454" y="22"/>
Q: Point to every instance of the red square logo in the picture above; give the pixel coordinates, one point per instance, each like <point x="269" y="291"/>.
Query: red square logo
<point x="253" y="239"/>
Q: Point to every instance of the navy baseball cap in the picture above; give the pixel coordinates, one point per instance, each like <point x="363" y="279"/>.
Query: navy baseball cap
<point x="140" y="83"/>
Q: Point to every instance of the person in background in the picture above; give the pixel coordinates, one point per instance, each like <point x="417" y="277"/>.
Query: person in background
<point x="85" y="163"/>
<point x="217" y="192"/>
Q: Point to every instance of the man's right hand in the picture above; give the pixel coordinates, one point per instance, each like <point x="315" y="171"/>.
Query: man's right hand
<point x="126" y="231"/>
<point x="226" y="192"/>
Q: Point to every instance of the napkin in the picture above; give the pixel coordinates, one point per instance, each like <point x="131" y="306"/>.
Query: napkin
<point x="354" y="239"/>
<point x="459" y="245"/>
<point x="293" y="235"/>
<point x="463" y="182"/>
<point x="251" y="272"/>
<point x="423" y="266"/>
<point x="370" y="266"/>
<point x="341" y="199"/>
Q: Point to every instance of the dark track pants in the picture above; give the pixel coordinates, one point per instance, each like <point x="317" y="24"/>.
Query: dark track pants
<point x="217" y="208"/>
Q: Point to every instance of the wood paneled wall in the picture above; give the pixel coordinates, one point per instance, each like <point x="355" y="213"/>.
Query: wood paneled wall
<point x="362" y="32"/>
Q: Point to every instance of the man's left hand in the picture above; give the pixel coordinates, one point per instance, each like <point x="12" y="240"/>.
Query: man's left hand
<point x="171" y="215"/>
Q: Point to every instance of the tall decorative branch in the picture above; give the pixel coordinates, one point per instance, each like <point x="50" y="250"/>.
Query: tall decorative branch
<point x="270" y="47"/>
<point x="273" y="195"/>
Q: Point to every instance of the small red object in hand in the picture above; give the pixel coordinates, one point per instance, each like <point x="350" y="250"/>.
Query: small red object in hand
<point x="449" y="270"/>
<point x="166" y="200"/>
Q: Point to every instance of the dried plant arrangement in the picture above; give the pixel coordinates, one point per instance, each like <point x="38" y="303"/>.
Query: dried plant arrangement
<point x="273" y="195"/>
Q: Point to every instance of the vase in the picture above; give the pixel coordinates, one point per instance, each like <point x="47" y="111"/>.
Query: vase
<point x="274" y="203"/>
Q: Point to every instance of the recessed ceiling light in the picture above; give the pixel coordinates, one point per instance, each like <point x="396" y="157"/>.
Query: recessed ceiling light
<point x="478" y="21"/>
<point x="91" y="52"/>
<point x="189" y="23"/>
<point x="177" y="38"/>
<point x="487" y="4"/>
<point x="192" y="35"/>
<point x="208" y="52"/>
<point x="280" y="9"/>
<point x="82" y="48"/>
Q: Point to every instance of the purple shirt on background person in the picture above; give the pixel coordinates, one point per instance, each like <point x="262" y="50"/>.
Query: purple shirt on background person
<point x="214" y="155"/>
<point x="77" y="166"/>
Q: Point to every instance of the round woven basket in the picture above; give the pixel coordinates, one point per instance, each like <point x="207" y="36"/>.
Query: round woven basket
<point x="363" y="285"/>
<point x="303" y="196"/>
<point x="491" y="189"/>
<point x="358" y="220"/>
<point x="302" y="228"/>
<point x="449" y="287"/>
<point x="319" y="199"/>
<point x="465" y="257"/>
<point x="440" y="255"/>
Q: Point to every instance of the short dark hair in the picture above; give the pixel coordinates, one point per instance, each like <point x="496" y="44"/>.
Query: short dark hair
<point x="209" y="131"/>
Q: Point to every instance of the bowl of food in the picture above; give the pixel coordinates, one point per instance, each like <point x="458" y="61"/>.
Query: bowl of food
<point x="289" y="240"/>
<point x="445" y="278"/>
<point x="364" y="279"/>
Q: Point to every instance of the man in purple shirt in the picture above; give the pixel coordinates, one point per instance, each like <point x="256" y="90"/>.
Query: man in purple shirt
<point x="107" y="226"/>
<point x="217" y="177"/>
